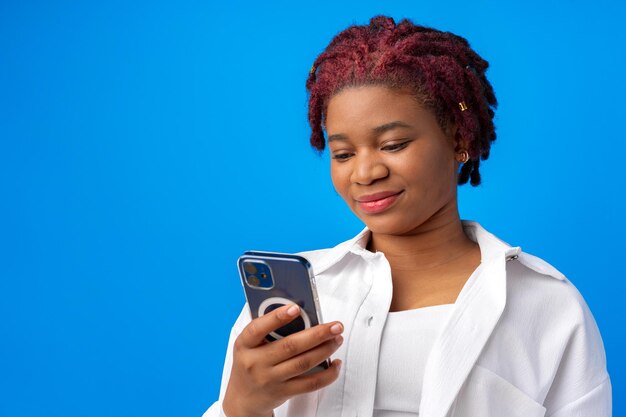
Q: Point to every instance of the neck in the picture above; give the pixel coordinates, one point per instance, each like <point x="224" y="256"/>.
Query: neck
<point x="438" y="243"/>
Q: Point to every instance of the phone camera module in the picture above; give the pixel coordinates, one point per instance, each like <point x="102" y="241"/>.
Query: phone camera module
<point x="258" y="275"/>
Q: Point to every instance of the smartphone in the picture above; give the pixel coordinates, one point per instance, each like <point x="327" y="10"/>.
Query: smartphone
<point x="271" y="280"/>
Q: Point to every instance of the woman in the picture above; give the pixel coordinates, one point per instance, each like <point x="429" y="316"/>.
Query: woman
<point x="430" y="315"/>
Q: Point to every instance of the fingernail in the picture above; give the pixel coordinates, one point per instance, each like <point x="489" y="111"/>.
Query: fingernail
<point x="293" y="310"/>
<point x="338" y="364"/>
<point x="339" y="340"/>
<point x="336" y="328"/>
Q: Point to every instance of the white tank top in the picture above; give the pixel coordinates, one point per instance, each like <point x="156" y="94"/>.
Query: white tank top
<point x="407" y="339"/>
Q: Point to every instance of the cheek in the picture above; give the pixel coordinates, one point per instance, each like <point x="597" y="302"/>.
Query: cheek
<point x="443" y="176"/>
<point x="431" y="169"/>
<point x="438" y="163"/>
<point x="423" y="166"/>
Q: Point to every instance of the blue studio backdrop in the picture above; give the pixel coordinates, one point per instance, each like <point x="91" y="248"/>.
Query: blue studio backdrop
<point x="132" y="134"/>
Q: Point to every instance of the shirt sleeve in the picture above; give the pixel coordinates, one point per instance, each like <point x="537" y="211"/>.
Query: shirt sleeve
<point x="581" y="386"/>
<point x="242" y="321"/>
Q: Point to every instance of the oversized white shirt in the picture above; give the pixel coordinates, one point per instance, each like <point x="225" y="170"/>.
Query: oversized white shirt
<point x="519" y="342"/>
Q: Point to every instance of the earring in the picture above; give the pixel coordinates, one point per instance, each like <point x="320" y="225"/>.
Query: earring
<point x="464" y="157"/>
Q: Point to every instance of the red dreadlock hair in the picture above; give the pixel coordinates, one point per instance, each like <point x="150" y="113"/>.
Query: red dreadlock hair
<point x="439" y="68"/>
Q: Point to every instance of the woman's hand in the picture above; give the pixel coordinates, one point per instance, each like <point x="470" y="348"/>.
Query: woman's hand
<point x="265" y="375"/>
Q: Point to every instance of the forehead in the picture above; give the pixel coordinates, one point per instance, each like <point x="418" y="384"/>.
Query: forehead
<point x="364" y="107"/>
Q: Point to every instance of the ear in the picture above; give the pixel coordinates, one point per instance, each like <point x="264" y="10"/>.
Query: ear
<point x="453" y="134"/>
<point x="460" y="143"/>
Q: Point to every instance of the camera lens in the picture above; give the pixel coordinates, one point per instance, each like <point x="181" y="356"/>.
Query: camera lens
<point x="249" y="268"/>
<point x="253" y="280"/>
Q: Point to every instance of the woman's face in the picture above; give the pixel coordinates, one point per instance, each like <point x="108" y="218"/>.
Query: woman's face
<point x="390" y="161"/>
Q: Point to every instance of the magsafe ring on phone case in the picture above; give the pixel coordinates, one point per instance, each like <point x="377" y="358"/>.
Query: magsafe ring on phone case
<point x="272" y="303"/>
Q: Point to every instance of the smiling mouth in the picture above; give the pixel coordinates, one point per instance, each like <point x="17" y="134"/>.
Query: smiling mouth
<point x="378" y="205"/>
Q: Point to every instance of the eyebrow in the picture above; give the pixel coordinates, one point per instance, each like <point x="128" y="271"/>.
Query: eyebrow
<point x="378" y="130"/>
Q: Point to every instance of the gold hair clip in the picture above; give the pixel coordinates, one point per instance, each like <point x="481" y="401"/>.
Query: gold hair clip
<point x="462" y="106"/>
<point x="312" y="69"/>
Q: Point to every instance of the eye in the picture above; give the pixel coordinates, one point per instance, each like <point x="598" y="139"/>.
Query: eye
<point x="393" y="147"/>
<point x="341" y="156"/>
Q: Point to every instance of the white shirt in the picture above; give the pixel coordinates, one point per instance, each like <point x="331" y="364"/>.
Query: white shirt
<point x="408" y="337"/>
<point x="519" y="342"/>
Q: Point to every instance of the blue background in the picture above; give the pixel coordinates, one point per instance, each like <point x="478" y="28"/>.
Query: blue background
<point x="132" y="132"/>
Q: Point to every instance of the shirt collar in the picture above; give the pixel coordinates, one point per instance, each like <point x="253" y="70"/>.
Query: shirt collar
<point x="490" y="246"/>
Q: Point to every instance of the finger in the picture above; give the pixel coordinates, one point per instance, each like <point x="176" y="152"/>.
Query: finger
<point x="254" y="333"/>
<point x="300" y="364"/>
<point x="302" y="341"/>
<point x="314" y="382"/>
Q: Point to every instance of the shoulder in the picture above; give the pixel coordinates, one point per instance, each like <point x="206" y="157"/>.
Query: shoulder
<point x="536" y="286"/>
<point x="546" y="306"/>
<point x="532" y="278"/>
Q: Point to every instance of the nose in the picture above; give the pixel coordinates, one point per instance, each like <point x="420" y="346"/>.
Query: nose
<point x="368" y="167"/>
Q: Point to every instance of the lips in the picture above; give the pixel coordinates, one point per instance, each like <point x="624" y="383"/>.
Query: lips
<point x="378" y="202"/>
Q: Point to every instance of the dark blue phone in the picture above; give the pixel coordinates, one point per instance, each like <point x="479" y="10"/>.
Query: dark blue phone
<point x="271" y="280"/>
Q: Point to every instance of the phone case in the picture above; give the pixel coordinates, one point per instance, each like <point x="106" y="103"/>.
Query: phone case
<point x="292" y="282"/>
